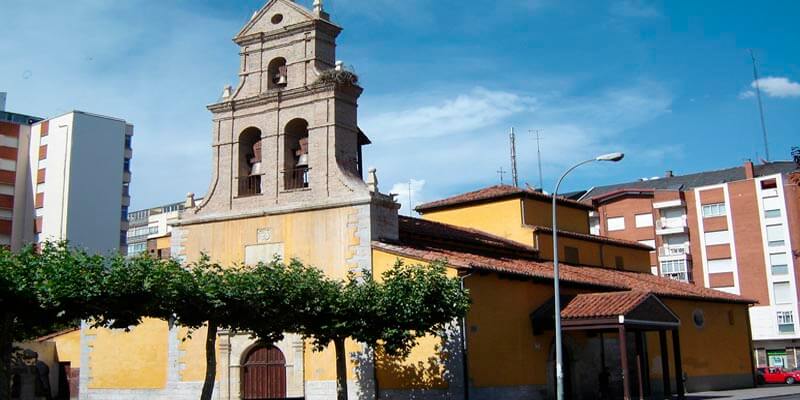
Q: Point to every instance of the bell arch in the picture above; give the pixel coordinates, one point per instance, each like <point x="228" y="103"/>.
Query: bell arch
<point x="296" y="154"/>
<point x="250" y="166"/>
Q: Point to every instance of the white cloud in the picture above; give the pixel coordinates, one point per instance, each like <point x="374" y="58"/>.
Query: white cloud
<point x="463" y="113"/>
<point x="778" y="87"/>
<point x="409" y="194"/>
<point x="747" y="94"/>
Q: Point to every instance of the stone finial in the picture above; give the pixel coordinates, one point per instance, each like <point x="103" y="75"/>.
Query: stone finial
<point x="227" y="92"/>
<point x="372" y="180"/>
<point x="317" y="7"/>
<point x="189" y="203"/>
<point x="339" y="65"/>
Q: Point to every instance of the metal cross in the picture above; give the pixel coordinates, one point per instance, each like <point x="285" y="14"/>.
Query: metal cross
<point x="501" y="173"/>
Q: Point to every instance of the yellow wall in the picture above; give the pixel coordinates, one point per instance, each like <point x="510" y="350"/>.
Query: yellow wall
<point x="718" y="348"/>
<point x="424" y="367"/>
<point x="129" y="360"/>
<point x="589" y="253"/>
<point x="501" y="218"/>
<point x="317" y="238"/>
<point x="193" y="355"/>
<point x="68" y="348"/>
<point x="163" y="242"/>
<point x="540" y="213"/>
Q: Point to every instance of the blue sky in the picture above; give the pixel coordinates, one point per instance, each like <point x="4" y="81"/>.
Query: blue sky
<point x="669" y="83"/>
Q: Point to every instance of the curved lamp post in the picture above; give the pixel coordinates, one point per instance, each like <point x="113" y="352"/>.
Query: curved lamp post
<point x="557" y="293"/>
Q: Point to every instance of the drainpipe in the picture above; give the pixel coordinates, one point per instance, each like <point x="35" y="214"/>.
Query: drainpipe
<point x="465" y="365"/>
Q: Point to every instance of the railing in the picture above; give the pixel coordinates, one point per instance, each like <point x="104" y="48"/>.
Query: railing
<point x="296" y="178"/>
<point x="249" y="185"/>
<point x="679" y="250"/>
<point x="668" y="223"/>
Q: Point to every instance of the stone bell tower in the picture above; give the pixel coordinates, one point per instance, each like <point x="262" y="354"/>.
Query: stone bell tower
<point x="287" y="136"/>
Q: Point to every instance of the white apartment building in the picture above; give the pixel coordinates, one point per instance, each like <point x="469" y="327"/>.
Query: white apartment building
<point x="79" y="174"/>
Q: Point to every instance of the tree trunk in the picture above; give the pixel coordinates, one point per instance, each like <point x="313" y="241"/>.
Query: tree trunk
<point x="211" y="361"/>
<point x="6" y="350"/>
<point x="341" y="369"/>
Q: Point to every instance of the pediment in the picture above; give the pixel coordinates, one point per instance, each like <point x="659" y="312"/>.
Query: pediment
<point x="276" y="15"/>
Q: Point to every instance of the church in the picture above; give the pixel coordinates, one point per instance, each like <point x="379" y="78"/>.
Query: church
<point x="288" y="180"/>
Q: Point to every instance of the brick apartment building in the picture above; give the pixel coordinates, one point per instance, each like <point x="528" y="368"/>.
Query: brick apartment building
<point x="734" y="230"/>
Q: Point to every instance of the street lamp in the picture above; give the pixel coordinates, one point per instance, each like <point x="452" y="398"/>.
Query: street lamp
<point x="614" y="157"/>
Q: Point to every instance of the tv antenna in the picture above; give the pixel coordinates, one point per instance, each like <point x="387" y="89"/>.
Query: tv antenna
<point x="760" y="106"/>
<point x="513" y="141"/>
<point x="538" y="154"/>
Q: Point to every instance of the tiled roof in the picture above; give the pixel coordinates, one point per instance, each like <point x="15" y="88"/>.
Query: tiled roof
<point x="593" y="238"/>
<point x="683" y="182"/>
<point x="603" y="305"/>
<point x="498" y="258"/>
<point x="494" y="193"/>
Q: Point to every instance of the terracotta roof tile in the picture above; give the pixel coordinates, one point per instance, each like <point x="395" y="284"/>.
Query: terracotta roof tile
<point x="497" y="258"/>
<point x="497" y="192"/>
<point x="603" y="305"/>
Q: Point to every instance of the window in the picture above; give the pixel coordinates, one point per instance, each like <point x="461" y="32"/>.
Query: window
<point x="594" y="225"/>
<point x="250" y="169"/>
<point x="769" y="184"/>
<point x="782" y="291"/>
<point x="644" y="220"/>
<point x="296" y="155"/>
<point x="717" y="237"/>
<point x="675" y="269"/>
<point x="772" y="207"/>
<point x="126" y="165"/>
<point x="128" y="140"/>
<point x="714" y="210"/>
<point x="779" y="263"/>
<point x="124" y="213"/>
<point x="718" y="266"/>
<point x="136" y="248"/>
<point x="775" y="235"/>
<point x="616" y="223"/>
<point x="571" y="255"/>
<point x="785" y="322"/>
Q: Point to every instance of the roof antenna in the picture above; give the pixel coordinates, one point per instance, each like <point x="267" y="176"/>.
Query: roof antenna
<point x="501" y="173"/>
<point x="538" y="154"/>
<point x="410" y="201"/>
<point x="513" y="160"/>
<point x="760" y="106"/>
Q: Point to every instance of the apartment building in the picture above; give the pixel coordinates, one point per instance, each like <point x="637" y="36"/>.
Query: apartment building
<point x="15" y="134"/>
<point x="150" y="230"/>
<point x="79" y="176"/>
<point x="734" y="230"/>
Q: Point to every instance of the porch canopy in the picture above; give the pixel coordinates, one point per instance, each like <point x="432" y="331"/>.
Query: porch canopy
<point x="636" y="311"/>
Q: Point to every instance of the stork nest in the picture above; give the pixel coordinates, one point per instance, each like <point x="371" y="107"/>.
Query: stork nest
<point x="342" y="78"/>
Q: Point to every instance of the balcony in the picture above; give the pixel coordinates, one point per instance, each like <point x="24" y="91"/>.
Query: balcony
<point x="296" y="178"/>
<point x="674" y="251"/>
<point x="249" y="185"/>
<point x="670" y="226"/>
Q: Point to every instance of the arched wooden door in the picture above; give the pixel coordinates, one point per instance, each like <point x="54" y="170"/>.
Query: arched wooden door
<point x="264" y="374"/>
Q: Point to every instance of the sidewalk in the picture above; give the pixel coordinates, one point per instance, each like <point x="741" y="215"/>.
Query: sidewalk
<point x="762" y="392"/>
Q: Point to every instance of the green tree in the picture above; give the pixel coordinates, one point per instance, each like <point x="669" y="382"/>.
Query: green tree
<point x="42" y="292"/>
<point x="409" y="302"/>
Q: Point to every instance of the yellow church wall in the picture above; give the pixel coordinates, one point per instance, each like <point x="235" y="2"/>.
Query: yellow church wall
<point x="314" y="237"/>
<point x="193" y="354"/>
<point x="68" y="348"/>
<point x="129" y="360"/>
<point x="718" y="348"/>
<point x="424" y="367"/>
<point x="588" y="252"/>
<point x="326" y="239"/>
<point x="540" y="213"/>
<point x="502" y="218"/>
<point x="633" y="259"/>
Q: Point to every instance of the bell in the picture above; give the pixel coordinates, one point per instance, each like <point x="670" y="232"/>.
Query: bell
<point x="281" y="79"/>
<point x="302" y="161"/>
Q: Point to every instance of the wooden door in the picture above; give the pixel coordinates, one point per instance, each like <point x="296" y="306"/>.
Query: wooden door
<point x="264" y="374"/>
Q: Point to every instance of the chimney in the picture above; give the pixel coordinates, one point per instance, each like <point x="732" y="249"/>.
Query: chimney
<point x="668" y="174"/>
<point x="748" y="170"/>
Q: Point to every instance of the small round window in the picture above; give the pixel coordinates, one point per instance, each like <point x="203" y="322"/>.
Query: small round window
<point x="277" y="18"/>
<point x="698" y="318"/>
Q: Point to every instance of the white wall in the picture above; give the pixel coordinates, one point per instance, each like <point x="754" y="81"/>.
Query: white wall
<point x="56" y="174"/>
<point x="95" y="182"/>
